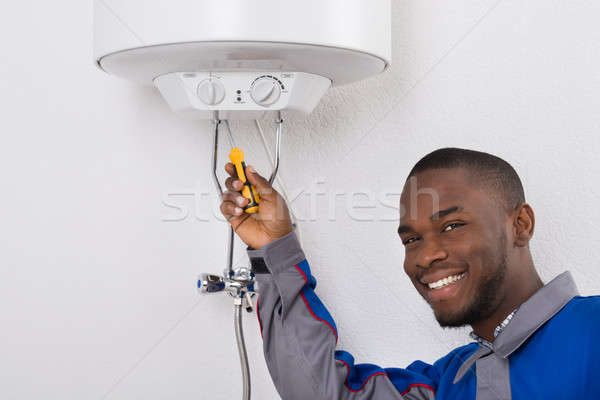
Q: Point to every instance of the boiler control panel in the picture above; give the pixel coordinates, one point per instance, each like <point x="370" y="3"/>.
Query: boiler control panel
<point x="205" y="92"/>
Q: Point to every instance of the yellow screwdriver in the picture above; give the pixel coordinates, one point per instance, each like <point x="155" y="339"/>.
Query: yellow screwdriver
<point x="248" y="191"/>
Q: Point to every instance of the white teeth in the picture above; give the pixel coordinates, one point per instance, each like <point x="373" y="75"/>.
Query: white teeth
<point x="445" y="281"/>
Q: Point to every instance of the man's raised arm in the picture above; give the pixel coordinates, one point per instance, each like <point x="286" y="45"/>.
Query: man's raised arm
<point x="299" y="334"/>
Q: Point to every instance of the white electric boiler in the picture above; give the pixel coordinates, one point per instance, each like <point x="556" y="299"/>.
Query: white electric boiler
<point x="242" y="56"/>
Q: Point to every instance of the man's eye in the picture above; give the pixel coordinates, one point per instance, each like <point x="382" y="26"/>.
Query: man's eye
<point x="454" y="224"/>
<point x="408" y="241"/>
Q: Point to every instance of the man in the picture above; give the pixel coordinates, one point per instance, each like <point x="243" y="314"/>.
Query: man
<point x="466" y="228"/>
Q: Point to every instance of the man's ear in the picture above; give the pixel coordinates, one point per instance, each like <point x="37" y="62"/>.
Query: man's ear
<point x="523" y="224"/>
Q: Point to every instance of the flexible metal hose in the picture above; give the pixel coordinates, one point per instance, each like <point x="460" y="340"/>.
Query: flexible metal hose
<point x="239" y="336"/>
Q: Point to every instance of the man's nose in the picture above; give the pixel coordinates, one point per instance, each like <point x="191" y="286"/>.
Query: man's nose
<point x="431" y="250"/>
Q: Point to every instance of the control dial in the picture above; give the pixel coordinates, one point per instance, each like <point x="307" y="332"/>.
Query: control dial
<point x="265" y="91"/>
<point x="211" y="91"/>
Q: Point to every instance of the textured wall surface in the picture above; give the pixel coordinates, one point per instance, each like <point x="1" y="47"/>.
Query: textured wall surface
<point x="97" y="271"/>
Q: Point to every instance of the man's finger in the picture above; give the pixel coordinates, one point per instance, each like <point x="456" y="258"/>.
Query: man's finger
<point x="235" y="197"/>
<point x="261" y="184"/>
<point x="230" y="169"/>
<point x="234" y="184"/>
<point x="229" y="210"/>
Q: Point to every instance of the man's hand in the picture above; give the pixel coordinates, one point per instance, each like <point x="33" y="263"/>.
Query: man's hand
<point x="272" y="220"/>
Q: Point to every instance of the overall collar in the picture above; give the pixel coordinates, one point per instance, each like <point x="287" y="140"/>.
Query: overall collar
<point x="497" y="331"/>
<point x="531" y="315"/>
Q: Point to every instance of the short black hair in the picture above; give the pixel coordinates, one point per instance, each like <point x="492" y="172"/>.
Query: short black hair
<point x="487" y="171"/>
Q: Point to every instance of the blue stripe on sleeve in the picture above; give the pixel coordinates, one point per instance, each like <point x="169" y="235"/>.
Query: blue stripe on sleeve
<point x="313" y="301"/>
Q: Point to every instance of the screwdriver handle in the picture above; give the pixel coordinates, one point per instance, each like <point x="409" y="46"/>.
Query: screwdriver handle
<point x="248" y="191"/>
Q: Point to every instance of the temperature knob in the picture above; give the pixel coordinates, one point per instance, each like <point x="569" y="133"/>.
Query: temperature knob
<point x="211" y="91"/>
<point x="265" y="91"/>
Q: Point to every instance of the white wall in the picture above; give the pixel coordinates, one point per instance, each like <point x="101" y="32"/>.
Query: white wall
<point x="97" y="292"/>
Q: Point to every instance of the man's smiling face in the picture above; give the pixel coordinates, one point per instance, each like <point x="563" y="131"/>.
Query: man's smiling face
<point x="455" y="238"/>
